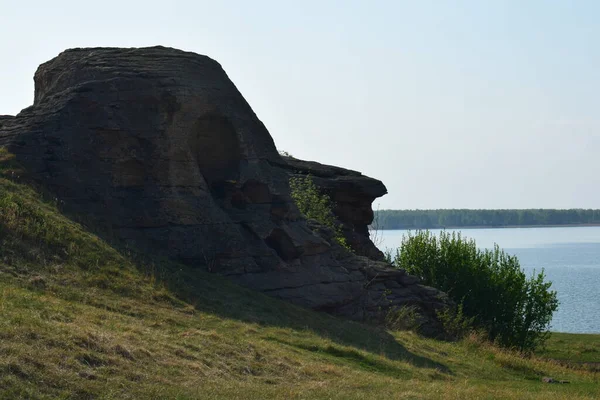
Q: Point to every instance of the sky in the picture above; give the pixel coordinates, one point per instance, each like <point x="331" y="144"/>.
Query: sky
<point x="452" y="104"/>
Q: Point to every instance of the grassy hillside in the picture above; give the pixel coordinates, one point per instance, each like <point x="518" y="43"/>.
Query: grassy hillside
<point x="80" y="319"/>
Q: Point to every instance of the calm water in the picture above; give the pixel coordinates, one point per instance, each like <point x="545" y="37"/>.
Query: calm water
<point x="570" y="258"/>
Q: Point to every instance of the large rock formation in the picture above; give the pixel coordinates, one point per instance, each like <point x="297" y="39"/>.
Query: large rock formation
<point x="158" y="147"/>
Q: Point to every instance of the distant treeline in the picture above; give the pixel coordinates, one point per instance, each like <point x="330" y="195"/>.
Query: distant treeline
<point x="432" y="219"/>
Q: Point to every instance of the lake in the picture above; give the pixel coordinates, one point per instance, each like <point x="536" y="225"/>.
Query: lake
<point x="570" y="257"/>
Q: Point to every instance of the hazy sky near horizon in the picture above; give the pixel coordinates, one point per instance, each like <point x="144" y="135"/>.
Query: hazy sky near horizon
<point x="452" y="104"/>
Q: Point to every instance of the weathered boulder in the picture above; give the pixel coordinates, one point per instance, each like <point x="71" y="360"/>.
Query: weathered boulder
<point x="157" y="147"/>
<point x="352" y="194"/>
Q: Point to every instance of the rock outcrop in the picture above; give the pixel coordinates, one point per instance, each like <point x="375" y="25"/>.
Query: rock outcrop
<point x="352" y="195"/>
<point x="157" y="147"/>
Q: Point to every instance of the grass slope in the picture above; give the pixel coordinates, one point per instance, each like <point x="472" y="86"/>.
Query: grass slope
<point x="81" y="320"/>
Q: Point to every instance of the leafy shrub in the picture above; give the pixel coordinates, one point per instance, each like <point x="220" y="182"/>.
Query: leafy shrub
<point x="456" y="324"/>
<point x="489" y="285"/>
<point x="316" y="205"/>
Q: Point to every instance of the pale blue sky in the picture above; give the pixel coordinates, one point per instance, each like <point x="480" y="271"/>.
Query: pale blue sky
<point x="452" y="104"/>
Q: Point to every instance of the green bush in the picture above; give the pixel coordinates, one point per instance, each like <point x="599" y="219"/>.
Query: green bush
<point x="316" y="205"/>
<point x="489" y="286"/>
<point x="456" y="324"/>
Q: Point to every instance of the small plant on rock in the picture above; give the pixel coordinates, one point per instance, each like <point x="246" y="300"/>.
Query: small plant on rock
<point x="316" y="205"/>
<point x="405" y="318"/>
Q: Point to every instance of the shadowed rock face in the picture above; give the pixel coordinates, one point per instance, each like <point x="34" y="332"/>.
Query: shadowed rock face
<point x="158" y="146"/>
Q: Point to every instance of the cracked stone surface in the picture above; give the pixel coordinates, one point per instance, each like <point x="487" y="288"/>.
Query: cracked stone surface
<point x="158" y="148"/>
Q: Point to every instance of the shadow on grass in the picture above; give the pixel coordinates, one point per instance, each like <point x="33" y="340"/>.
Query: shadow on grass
<point x="370" y="363"/>
<point x="215" y="294"/>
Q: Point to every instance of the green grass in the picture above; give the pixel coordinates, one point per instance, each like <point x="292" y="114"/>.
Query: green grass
<point x="573" y="349"/>
<point x="81" y="319"/>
